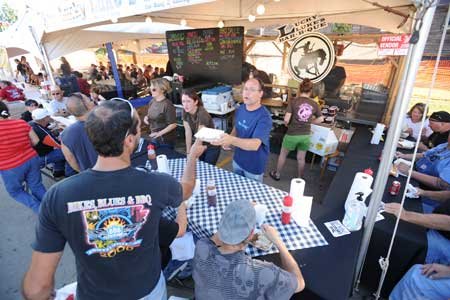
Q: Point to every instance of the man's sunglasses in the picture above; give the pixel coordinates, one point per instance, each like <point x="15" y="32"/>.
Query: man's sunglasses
<point x="131" y="110"/>
<point x="56" y="93"/>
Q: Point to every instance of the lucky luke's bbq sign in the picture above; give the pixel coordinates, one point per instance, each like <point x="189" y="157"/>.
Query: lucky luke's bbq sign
<point x="292" y="31"/>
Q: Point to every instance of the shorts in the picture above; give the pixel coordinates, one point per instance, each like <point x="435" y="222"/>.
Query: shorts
<point x="296" y="142"/>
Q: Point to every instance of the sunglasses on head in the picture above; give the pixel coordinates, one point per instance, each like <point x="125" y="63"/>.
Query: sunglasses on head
<point x="131" y="110"/>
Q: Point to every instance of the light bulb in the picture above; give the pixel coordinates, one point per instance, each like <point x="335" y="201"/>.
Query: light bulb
<point x="260" y="9"/>
<point x="114" y="20"/>
<point x="148" y="20"/>
<point x="251" y="18"/>
<point x="183" y="22"/>
<point x="220" y="24"/>
<point x="277" y="0"/>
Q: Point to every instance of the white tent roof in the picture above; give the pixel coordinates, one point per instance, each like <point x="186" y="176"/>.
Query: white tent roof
<point x="95" y="36"/>
<point x="232" y="12"/>
<point x="235" y="13"/>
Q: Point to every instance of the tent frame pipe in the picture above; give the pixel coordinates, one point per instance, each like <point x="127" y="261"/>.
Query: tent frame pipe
<point x="46" y="61"/>
<point x="47" y="64"/>
<point x="414" y="59"/>
<point x="112" y="59"/>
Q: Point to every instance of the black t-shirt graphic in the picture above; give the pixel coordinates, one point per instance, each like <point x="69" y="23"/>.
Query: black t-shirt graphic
<point x="111" y="222"/>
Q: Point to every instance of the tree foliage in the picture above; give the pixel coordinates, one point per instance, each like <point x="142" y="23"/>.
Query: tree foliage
<point x="7" y="16"/>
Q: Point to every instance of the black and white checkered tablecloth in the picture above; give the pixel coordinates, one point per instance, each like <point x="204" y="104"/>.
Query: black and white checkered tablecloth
<point x="204" y="220"/>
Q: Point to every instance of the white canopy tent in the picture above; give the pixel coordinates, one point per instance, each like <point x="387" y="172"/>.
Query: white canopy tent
<point x="236" y="12"/>
<point x="98" y="35"/>
<point x="231" y="12"/>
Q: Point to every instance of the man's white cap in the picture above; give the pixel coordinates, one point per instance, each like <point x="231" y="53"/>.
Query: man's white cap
<point x="39" y="114"/>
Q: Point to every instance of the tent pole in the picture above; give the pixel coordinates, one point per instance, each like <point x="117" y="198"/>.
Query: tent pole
<point x="413" y="60"/>
<point x="47" y="64"/>
<point x="112" y="59"/>
<point x="43" y="51"/>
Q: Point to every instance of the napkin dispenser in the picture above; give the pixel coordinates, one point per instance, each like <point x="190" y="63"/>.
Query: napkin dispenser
<point x="377" y="134"/>
<point x="163" y="164"/>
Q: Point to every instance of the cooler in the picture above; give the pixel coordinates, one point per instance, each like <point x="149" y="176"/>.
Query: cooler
<point x="213" y="98"/>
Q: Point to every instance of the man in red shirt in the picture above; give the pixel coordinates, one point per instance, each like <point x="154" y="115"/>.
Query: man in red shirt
<point x="19" y="162"/>
<point x="9" y="92"/>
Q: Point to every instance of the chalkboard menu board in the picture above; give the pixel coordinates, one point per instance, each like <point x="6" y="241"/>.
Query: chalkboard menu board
<point x="207" y="55"/>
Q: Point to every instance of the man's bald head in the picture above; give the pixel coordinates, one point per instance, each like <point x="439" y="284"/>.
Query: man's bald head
<point x="79" y="105"/>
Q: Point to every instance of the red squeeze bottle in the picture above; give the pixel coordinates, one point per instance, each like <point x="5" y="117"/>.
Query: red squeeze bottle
<point x="287" y="208"/>
<point x="151" y="152"/>
<point x="368" y="171"/>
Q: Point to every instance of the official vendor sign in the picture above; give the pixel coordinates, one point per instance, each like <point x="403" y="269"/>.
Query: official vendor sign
<point x="311" y="56"/>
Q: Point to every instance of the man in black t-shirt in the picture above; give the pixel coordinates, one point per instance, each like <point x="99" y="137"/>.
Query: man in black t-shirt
<point x="20" y="69"/>
<point x="334" y="81"/>
<point x="109" y="215"/>
<point x="440" y="124"/>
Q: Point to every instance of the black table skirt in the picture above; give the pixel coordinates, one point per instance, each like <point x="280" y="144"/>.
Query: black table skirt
<point x="329" y="271"/>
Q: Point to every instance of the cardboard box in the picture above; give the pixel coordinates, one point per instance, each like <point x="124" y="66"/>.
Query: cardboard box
<point x="344" y="136"/>
<point x="323" y="140"/>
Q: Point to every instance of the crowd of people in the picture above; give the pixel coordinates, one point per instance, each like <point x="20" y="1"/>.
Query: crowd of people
<point x="432" y="171"/>
<point x="110" y="132"/>
<point x="71" y="80"/>
<point x="96" y="151"/>
<point x="98" y="147"/>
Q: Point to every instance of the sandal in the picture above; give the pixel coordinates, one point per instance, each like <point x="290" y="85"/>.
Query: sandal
<point x="274" y="175"/>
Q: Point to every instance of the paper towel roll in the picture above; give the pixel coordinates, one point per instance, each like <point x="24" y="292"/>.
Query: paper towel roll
<point x="301" y="208"/>
<point x="297" y="188"/>
<point x="361" y="183"/>
<point x="163" y="164"/>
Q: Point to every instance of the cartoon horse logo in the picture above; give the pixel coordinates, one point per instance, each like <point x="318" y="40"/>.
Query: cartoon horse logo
<point x="311" y="60"/>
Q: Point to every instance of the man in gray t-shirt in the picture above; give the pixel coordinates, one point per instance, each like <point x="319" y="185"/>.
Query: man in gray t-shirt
<point x="222" y="270"/>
